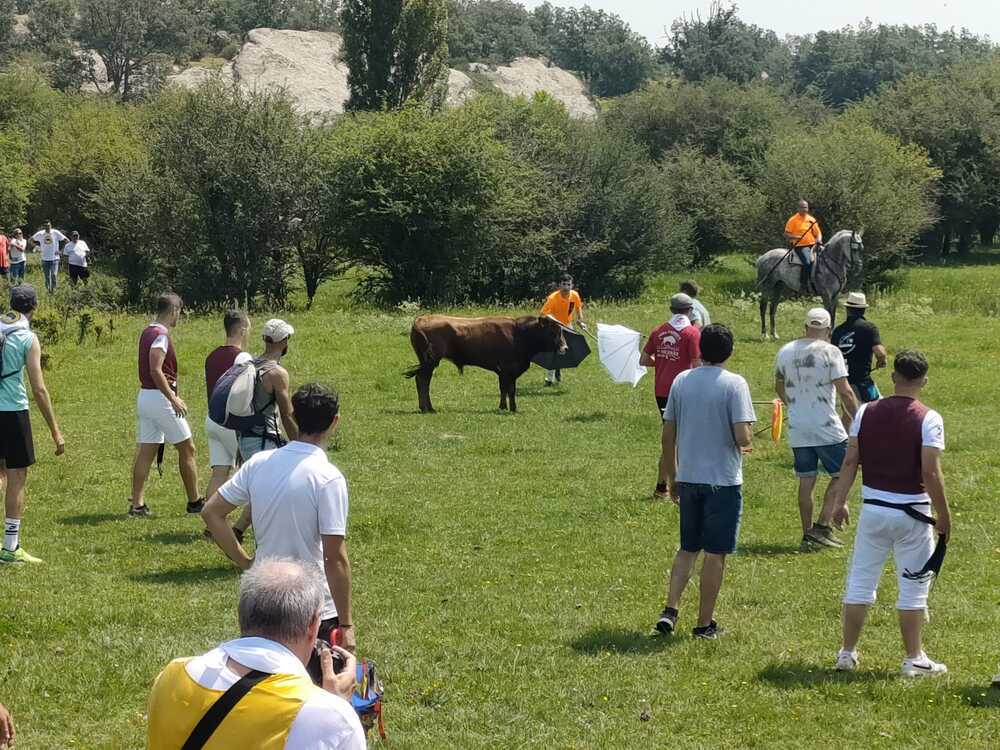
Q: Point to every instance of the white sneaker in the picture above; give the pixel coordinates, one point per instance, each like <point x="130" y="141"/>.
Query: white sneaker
<point x="922" y="667"/>
<point x="847" y="661"/>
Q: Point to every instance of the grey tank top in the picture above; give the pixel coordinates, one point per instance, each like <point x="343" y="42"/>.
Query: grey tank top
<point x="264" y="402"/>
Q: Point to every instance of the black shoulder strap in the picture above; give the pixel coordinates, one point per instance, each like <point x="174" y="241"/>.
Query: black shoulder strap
<point x="220" y="709"/>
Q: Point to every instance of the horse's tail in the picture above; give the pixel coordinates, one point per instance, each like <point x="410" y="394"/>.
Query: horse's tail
<point x="765" y="270"/>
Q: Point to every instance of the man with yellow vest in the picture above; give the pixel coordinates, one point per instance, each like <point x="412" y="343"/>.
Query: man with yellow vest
<point x="565" y="305"/>
<point x="255" y="692"/>
<point x="803" y="234"/>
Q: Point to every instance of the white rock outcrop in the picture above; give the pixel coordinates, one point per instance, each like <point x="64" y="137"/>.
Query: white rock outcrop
<point x="307" y="65"/>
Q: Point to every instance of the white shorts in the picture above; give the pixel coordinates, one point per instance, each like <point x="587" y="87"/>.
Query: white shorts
<point x="157" y="421"/>
<point x="885" y="530"/>
<point x="222" y="444"/>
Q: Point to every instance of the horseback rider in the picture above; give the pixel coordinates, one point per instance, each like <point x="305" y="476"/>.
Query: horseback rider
<point x="803" y="233"/>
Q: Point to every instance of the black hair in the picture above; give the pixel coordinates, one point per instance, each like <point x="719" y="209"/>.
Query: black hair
<point x="564" y="278"/>
<point x="232" y="320"/>
<point x="716" y="343"/>
<point x="314" y="407"/>
<point x="167" y="302"/>
<point x="911" y="365"/>
<point x="690" y="288"/>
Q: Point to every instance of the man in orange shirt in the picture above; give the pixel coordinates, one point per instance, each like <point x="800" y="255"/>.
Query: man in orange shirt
<point x="564" y="305"/>
<point x="803" y="233"/>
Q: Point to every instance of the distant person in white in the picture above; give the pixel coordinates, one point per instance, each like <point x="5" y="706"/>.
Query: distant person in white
<point x="298" y="503"/>
<point x="18" y="261"/>
<point x="76" y="251"/>
<point x="279" y="615"/>
<point x="48" y="241"/>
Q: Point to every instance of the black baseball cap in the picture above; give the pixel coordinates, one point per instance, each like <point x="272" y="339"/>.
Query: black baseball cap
<point x="23" y="298"/>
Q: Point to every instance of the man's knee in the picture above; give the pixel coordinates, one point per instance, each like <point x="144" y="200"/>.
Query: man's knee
<point x="185" y="448"/>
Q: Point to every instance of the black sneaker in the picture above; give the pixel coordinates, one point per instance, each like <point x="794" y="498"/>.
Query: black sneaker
<point x="142" y="511"/>
<point x="196" y="506"/>
<point x="667" y="621"/>
<point x="708" y="633"/>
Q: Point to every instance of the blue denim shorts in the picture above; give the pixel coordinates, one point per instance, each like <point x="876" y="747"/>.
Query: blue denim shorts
<point x="710" y="517"/>
<point x="807" y="460"/>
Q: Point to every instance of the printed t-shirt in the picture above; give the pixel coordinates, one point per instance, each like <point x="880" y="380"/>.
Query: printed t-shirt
<point x="799" y="226"/>
<point x="49" y="242"/>
<point x="705" y="403"/>
<point x="674" y="347"/>
<point x="563" y="308"/>
<point x="296" y="497"/>
<point x="856" y="338"/>
<point x="809" y="368"/>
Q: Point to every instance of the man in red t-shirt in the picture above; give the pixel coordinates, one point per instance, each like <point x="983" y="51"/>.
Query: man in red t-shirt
<point x="4" y="258"/>
<point x="672" y="348"/>
<point x="223" y="444"/>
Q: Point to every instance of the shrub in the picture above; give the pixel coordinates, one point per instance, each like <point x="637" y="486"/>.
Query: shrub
<point x="858" y="178"/>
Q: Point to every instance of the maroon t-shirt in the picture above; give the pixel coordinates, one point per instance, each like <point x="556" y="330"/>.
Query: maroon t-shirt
<point x="146" y="340"/>
<point x="673" y="346"/>
<point x="216" y="364"/>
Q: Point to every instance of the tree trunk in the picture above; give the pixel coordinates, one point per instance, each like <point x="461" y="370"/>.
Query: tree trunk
<point x="965" y="239"/>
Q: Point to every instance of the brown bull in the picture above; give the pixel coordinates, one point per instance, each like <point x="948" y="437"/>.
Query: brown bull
<point x="502" y="345"/>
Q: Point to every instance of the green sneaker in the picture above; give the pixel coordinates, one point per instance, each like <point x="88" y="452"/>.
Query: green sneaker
<point x="17" y="556"/>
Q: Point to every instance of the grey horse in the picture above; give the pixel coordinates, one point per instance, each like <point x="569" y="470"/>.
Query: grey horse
<point x="777" y="277"/>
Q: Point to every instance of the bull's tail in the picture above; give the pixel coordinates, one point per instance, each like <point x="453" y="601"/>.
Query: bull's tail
<point x="412" y="372"/>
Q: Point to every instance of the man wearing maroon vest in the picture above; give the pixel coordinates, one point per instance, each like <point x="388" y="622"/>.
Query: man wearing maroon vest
<point x="897" y="442"/>
<point x="161" y="412"/>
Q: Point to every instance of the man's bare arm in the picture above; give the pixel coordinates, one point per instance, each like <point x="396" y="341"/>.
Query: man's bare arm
<point x="214" y="514"/>
<point x="743" y="434"/>
<point x="279" y="383"/>
<point x="881" y="356"/>
<point x="930" y="462"/>
<point x="337" y="566"/>
<point x="41" y="394"/>
<point x="847" y="397"/>
<point x="779" y="389"/>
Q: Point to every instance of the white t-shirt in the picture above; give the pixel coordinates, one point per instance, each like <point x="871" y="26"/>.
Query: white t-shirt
<point x="809" y="367"/>
<point x="76" y="252"/>
<point x="931" y="436"/>
<point x="296" y="496"/>
<point x="49" y="242"/>
<point x="15" y="248"/>
<point x="325" y="721"/>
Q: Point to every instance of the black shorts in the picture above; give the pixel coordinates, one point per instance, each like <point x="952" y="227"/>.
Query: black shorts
<point x="77" y="273"/>
<point x="17" y="449"/>
<point x="661" y="404"/>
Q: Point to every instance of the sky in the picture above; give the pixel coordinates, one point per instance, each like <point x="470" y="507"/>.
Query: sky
<point x="652" y="17"/>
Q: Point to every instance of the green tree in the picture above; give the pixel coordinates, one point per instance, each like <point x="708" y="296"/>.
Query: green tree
<point x="858" y="178"/>
<point x="396" y="51"/>
<point x="611" y="57"/>
<point x="135" y="39"/>
<point x="223" y="177"/>
<point x="87" y="140"/>
<point x="724" y="46"/>
<point x="495" y="31"/>
<point x="16" y="182"/>
<point x="711" y="193"/>
<point x="953" y="116"/>
<point x="51" y="28"/>
<point x="719" y="117"/>
<point x="848" y="64"/>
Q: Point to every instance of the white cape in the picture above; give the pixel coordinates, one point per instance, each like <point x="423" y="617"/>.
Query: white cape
<point x="618" y="349"/>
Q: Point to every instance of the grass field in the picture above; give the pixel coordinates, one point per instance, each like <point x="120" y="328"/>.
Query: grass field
<point x="508" y="568"/>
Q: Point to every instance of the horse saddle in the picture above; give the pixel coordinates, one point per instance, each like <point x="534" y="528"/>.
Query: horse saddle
<point x="793" y="256"/>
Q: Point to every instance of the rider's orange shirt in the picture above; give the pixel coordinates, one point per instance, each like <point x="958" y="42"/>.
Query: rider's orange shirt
<point x="804" y="227"/>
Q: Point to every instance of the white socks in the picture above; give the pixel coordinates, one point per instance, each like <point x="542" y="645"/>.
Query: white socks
<point x="11" y="532"/>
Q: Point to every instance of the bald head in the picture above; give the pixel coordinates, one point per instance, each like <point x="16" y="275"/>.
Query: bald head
<point x="280" y="600"/>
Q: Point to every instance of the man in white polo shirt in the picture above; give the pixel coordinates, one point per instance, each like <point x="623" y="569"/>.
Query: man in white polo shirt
<point x="298" y="503"/>
<point x="49" y="241"/>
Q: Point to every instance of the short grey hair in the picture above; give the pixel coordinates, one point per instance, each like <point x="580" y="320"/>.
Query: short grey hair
<point x="280" y="599"/>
